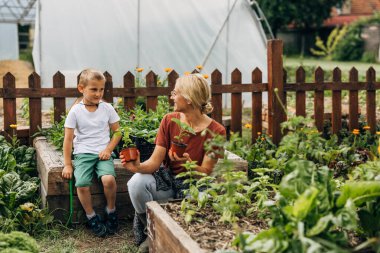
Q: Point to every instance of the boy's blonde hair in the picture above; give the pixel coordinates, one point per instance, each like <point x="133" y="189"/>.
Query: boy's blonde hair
<point x="194" y="88"/>
<point x="90" y="74"/>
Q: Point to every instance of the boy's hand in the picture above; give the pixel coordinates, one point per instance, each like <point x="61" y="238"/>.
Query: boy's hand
<point x="67" y="172"/>
<point x="105" y="155"/>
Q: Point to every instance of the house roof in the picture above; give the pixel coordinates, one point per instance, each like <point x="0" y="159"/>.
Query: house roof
<point x="342" y="20"/>
<point x="364" y="7"/>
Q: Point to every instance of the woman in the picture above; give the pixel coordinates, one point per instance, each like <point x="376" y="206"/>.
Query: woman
<point x="155" y="178"/>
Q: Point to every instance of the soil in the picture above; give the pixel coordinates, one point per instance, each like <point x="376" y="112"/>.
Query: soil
<point x="208" y="232"/>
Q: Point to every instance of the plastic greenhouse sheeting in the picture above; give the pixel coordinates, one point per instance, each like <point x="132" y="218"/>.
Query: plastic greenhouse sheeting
<point x="119" y="35"/>
<point x="9" y="42"/>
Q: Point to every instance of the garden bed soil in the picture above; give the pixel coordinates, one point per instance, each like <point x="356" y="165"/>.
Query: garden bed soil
<point x="206" y="233"/>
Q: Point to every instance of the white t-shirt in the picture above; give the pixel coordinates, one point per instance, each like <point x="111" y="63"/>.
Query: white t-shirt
<point x="92" y="131"/>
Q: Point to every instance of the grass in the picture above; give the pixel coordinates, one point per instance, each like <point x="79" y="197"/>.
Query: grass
<point x="80" y="240"/>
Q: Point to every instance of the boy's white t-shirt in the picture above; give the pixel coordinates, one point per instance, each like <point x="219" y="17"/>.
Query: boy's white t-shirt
<point x="92" y="131"/>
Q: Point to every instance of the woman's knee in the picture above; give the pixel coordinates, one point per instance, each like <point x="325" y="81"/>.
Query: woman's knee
<point x="139" y="182"/>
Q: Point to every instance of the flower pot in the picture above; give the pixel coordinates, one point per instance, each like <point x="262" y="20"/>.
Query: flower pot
<point x="178" y="148"/>
<point x="145" y="148"/>
<point x="130" y="154"/>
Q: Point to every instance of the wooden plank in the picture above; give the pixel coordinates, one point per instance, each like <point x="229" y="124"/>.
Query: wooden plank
<point x="336" y="103"/>
<point x="35" y="108"/>
<point x="236" y="104"/>
<point x="353" y="102"/>
<point x="216" y="99"/>
<point x="371" y="100"/>
<point x="172" y="78"/>
<point x="285" y="100"/>
<point x="300" y="95"/>
<point x="129" y="84"/>
<point x="275" y="84"/>
<point x="257" y="106"/>
<point x="151" y="82"/>
<point x="165" y="235"/>
<point x="9" y="106"/>
<point x="330" y="86"/>
<point x="108" y="89"/>
<point x="59" y="103"/>
<point x="319" y="100"/>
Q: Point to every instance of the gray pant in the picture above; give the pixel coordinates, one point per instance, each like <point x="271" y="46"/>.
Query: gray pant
<point x="142" y="189"/>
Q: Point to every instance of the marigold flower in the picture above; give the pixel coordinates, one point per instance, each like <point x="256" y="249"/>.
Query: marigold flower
<point x="14" y="126"/>
<point x="248" y="125"/>
<point x="355" y="131"/>
<point x="378" y="133"/>
<point x="366" y="127"/>
<point x="205" y="76"/>
<point x="263" y="139"/>
<point x="27" y="207"/>
<point x="378" y="149"/>
<point x="186" y="73"/>
<point x="139" y="69"/>
<point x="200" y="67"/>
<point x="258" y="133"/>
<point x="167" y="70"/>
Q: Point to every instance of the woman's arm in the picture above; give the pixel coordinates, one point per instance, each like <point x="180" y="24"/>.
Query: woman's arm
<point x="150" y="165"/>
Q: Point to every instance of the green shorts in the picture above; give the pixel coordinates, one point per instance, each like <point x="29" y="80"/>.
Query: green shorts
<point x="86" y="164"/>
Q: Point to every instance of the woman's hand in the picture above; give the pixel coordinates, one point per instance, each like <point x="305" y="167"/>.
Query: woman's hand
<point x="132" y="166"/>
<point x="173" y="156"/>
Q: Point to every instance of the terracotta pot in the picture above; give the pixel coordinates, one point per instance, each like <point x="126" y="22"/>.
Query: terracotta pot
<point x="130" y="154"/>
<point x="178" y="148"/>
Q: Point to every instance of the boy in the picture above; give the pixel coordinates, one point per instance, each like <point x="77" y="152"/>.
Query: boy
<point x="90" y="121"/>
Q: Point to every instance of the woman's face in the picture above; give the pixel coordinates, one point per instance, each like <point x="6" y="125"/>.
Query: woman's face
<point x="180" y="103"/>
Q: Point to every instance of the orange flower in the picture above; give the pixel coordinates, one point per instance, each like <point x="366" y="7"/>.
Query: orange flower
<point x="167" y="70"/>
<point x="200" y="67"/>
<point x="378" y="133"/>
<point x="356" y="131"/>
<point x="258" y="133"/>
<point x="14" y="126"/>
<point x="248" y="125"/>
<point x="263" y="139"/>
<point x="139" y="69"/>
<point x="205" y="76"/>
<point x="366" y="127"/>
<point x="186" y="73"/>
<point x="378" y="149"/>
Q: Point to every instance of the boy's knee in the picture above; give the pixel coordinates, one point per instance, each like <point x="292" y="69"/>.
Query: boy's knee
<point x="83" y="188"/>
<point x="108" y="181"/>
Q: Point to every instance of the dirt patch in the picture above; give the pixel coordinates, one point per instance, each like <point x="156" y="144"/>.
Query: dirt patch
<point x="208" y="232"/>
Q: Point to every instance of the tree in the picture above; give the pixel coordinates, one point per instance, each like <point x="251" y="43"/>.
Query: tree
<point x="303" y="14"/>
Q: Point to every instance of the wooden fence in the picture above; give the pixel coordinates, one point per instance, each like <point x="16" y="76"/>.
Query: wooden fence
<point x="277" y="87"/>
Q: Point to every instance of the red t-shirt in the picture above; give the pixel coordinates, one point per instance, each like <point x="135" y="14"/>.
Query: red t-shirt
<point x="168" y="129"/>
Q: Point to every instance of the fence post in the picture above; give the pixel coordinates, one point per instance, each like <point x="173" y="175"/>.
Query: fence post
<point x="236" y="104"/>
<point x="371" y="99"/>
<point x="35" y="108"/>
<point x="151" y="82"/>
<point x="276" y="114"/>
<point x="59" y="102"/>
<point x="129" y="83"/>
<point x="216" y="99"/>
<point x="9" y="105"/>
<point x="172" y="78"/>
<point x="108" y="89"/>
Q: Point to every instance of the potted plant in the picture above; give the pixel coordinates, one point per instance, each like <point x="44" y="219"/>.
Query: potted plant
<point x="129" y="150"/>
<point x="178" y="146"/>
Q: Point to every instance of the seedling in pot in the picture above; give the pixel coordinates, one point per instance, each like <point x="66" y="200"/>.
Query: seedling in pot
<point x="178" y="146"/>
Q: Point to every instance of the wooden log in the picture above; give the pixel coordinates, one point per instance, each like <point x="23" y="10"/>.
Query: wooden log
<point x="165" y="235"/>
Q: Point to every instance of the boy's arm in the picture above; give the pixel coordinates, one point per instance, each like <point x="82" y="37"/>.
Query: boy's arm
<point x="67" y="171"/>
<point x="106" y="154"/>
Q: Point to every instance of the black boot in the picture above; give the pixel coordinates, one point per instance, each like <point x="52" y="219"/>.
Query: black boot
<point x="140" y="231"/>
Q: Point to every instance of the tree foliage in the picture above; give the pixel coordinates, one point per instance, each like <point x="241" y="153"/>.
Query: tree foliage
<point x="303" y="14"/>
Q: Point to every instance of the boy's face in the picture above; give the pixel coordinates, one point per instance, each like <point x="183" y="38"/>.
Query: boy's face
<point x="92" y="92"/>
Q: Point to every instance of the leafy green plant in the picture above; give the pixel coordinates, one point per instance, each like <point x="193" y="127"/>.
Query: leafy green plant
<point x="18" y="242"/>
<point x="326" y="50"/>
<point x="185" y="130"/>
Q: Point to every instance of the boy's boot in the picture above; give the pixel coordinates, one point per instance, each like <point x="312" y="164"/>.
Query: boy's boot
<point x="144" y="246"/>
<point x="112" y="222"/>
<point x="97" y="227"/>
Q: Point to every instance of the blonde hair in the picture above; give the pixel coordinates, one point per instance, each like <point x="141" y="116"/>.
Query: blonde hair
<point x="90" y="74"/>
<point x="194" y="88"/>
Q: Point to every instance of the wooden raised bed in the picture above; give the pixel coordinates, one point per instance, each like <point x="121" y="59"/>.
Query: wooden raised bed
<point x="165" y="235"/>
<point x="55" y="193"/>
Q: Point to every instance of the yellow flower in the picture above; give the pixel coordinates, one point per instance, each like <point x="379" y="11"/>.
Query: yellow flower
<point x="258" y="133"/>
<point x="14" y="126"/>
<point x="200" y="67"/>
<point x="248" y="125"/>
<point x="186" y="73"/>
<point x="356" y="131"/>
<point x="378" y="133"/>
<point x="27" y="207"/>
<point x="378" y="149"/>
<point x="263" y="139"/>
<point x="159" y="82"/>
<point x="119" y="100"/>
<point x="167" y="70"/>
<point x="205" y="76"/>
<point x="139" y="69"/>
<point x="366" y="127"/>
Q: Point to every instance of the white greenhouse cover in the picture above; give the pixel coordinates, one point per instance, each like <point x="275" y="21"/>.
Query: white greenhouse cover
<point x="9" y="42"/>
<point x="119" y="35"/>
